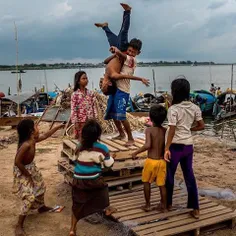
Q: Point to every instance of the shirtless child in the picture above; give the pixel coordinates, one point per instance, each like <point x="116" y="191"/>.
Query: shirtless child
<point x="28" y="181"/>
<point x="155" y="165"/>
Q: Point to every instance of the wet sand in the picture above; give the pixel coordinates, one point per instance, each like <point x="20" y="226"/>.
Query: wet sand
<point x="214" y="165"/>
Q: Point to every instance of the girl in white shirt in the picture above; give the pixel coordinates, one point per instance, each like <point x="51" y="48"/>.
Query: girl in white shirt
<point x="179" y="144"/>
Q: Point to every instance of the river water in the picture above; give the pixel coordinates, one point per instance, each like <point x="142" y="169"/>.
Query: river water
<point x="200" y="77"/>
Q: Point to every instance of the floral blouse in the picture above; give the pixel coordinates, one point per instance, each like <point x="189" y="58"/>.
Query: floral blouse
<point x="83" y="106"/>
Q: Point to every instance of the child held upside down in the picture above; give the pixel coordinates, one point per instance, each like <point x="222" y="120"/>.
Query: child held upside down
<point x="155" y="165"/>
<point x="28" y="181"/>
<point x="119" y="71"/>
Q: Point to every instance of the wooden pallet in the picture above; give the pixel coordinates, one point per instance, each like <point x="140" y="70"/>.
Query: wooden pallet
<point x="213" y="216"/>
<point x="68" y="170"/>
<point x="124" y="172"/>
<point x="117" y="148"/>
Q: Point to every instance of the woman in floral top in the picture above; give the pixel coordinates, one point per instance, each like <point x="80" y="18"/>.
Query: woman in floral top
<point x="82" y="103"/>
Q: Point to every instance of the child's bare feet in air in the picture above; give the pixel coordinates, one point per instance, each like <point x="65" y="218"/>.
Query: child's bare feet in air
<point x="19" y="231"/>
<point x="126" y="7"/>
<point x="44" y="209"/>
<point x="101" y="25"/>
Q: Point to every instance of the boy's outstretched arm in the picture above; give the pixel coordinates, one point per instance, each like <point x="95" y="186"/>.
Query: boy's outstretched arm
<point x="49" y="133"/>
<point x="146" y="146"/>
<point x="117" y="76"/>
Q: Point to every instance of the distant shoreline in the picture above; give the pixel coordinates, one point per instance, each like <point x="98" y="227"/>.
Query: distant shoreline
<point x="100" y="65"/>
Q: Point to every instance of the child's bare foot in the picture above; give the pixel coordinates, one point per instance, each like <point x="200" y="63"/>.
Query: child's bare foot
<point x="146" y="208"/>
<point x="72" y="233"/>
<point x="19" y="231"/>
<point x="119" y="137"/>
<point x="110" y="210"/>
<point x="126" y="7"/>
<point x="160" y="208"/>
<point x="129" y="143"/>
<point x="101" y="25"/>
<point x="44" y="209"/>
<point x="195" y="214"/>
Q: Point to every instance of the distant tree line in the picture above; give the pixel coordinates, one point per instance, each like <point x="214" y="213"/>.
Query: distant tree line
<point x="68" y="65"/>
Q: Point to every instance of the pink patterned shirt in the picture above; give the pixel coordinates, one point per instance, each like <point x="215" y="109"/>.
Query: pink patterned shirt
<point x="82" y="106"/>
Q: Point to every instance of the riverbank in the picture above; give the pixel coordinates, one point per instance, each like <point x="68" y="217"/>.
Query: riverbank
<point x="214" y="165"/>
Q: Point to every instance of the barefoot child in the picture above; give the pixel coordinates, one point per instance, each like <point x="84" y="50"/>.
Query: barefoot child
<point x="117" y="103"/>
<point x="89" y="191"/>
<point x="28" y="181"/>
<point x="179" y="146"/>
<point x="155" y="165"/>
<point x="82" y="103"/>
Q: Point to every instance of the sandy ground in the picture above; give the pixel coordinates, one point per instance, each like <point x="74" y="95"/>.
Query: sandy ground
<point x="214" y="166"/>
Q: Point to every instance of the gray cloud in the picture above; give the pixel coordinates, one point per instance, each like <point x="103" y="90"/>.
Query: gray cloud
<point x="217" y="4"/>
<point x="170" y="30"/>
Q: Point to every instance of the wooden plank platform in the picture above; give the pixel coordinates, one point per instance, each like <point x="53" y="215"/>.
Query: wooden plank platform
<point x="67" y="170"/>
<point x="176" y="222"/>
<point x="117" y="148"/>
<point x="125" y="171"/>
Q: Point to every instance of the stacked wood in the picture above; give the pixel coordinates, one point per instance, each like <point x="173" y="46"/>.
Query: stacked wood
<point x="108" y="126"/>
<point x="63" y="100"/>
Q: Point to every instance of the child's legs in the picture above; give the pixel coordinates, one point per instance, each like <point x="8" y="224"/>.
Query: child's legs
<point x="163" y="197"/>
<point x="128" y="129"/>
<point x="176" y="152"/>
<point x="119" y="128"/>
<point x="111" y="37"/>
<point x="123" y="35"/>
<point x="187" y="168"/>
<point x="147" y="193"/>
<point x="19" y="227"/>
<point x="74" y="222"/>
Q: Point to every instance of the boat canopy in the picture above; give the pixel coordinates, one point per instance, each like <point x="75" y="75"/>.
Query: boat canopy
<point x="21" y="98"/>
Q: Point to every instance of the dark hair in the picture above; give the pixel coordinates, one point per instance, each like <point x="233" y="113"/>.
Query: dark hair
<point x="157" y="114"/>
<point x="91" y="132"/>
<point x="180" y="89"/>
<point x="136" y="44"/>
<point x="218" y="87"/>
<point x="77" y="79"/>
<point x="24" y="129"/>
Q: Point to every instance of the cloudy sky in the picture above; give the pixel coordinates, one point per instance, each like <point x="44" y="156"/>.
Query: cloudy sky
<point x="63" y="30"/>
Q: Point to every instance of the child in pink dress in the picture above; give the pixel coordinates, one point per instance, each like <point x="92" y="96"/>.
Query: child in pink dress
<point x="82" y="103"/>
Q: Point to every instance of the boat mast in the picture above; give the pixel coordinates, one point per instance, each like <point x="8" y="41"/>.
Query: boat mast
<point x="154" y="82"/>
<point x="210" y="72"/>
<point x="46" y="81"/>
<point x="231" y="84"/>
<point x="17" y="76"/>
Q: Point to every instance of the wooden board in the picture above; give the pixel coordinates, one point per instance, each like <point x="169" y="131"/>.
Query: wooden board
<point x="117" y="148"/>
<point x="68" y="170"/>
<point x="213" y="216"/>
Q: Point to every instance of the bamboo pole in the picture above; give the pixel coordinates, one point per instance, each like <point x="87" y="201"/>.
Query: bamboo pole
<point x="17" y="76"/>
<point x="154" y="82"/>
<point x="231" y="85"/>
